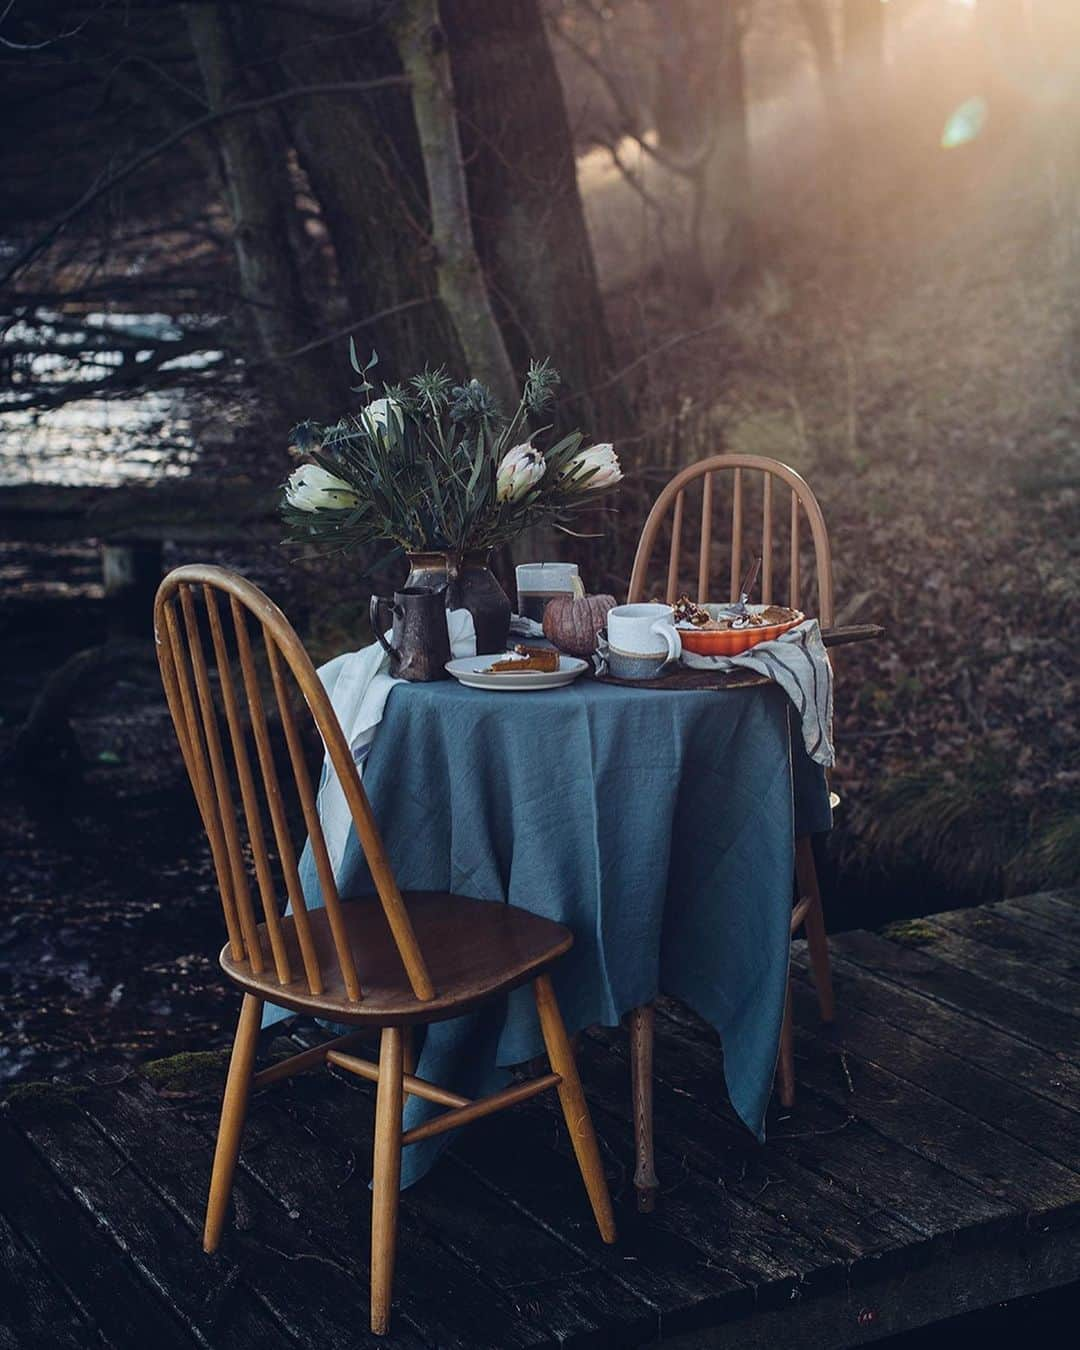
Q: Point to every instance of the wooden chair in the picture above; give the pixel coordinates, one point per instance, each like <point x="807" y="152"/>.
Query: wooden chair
<point x="388" y="963"/>
<point x="672" y="502"/>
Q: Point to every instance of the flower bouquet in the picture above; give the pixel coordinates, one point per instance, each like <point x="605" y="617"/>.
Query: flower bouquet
<point x="436" y="468"/>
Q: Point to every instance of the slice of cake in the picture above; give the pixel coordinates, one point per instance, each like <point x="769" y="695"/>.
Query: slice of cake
<point x="526" y="659"/>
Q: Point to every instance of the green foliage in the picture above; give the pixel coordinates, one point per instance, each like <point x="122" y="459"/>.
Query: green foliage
<point x="192" y="1073"/>
<point x="1052" y="858"/>
<point x="910" y="933"/>
<point x="971" y="827"/>
<point x="964" y="823"/>
<point x="38" y="1093"/>
<point x="420" y="466"/>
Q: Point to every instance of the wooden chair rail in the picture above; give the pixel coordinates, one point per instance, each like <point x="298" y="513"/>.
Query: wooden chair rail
<point x="799" y="913"/>
<point x="417" y="1087"/>
<point x="306" y="1059"/>
<point x="485" y="1106"/>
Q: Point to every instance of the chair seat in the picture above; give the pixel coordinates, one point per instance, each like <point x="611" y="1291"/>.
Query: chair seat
<point x="474" y="949"/>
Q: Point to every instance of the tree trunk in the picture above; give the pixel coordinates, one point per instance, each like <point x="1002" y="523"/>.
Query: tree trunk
<point x="424" y="55"/>
<point x="727" y="244"/>
<point x="864" y="70"/>
<point x="677" y="111"/>
<point x="362" y="159"/>
<point x="527" y="214"/>
<point x="260" y="199"/>
<point x="815" y="15"/>
<point x="864" y="36"/>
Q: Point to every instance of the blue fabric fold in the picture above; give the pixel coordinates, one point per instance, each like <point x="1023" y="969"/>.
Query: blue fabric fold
<point x="657" y="825"/>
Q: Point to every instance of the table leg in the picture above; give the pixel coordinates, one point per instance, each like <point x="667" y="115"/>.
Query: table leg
<point x="817" y="941"/>
<point x="641" y="1024"/>
<point x="785" y="1064"/>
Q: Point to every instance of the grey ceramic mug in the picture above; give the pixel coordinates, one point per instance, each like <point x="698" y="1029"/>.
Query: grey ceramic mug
<point x="642" y="641"/>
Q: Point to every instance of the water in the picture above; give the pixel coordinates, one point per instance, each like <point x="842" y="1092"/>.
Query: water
<point x="92" y="441"/>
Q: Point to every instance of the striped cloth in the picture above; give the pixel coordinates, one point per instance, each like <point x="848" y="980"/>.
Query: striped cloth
<point x="798" y="662"/>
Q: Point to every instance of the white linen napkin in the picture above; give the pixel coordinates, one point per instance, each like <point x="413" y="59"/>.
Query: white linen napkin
<point x="359" y="684"/>
<point x="799" y="663"/>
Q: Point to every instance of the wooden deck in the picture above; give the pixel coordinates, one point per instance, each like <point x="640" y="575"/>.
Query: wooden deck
<point x="931" y="1166"/>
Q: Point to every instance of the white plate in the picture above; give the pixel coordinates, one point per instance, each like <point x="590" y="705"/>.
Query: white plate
<point x="472" y="670"/>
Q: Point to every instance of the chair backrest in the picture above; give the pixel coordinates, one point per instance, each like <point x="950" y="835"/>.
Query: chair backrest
<point x="215" y="761"/>
<point x="742" y="468"/>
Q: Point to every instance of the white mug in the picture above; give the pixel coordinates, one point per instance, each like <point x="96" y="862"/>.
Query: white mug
<point x="642" y="640"/>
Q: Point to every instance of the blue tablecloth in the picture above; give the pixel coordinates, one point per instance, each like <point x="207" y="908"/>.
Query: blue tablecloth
<point x="657" y="825"/>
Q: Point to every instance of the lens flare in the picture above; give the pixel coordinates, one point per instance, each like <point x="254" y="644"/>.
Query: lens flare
<point x="965" y="123"/>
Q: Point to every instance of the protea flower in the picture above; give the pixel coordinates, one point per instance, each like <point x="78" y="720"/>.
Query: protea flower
<point x="593" y="470"/>
<point x="311" y="488"/>
<point x="377" y="414"/>
<point x="521" y="468"/>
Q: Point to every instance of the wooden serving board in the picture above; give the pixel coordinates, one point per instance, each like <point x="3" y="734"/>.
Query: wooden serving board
<point x="685" y="678"/>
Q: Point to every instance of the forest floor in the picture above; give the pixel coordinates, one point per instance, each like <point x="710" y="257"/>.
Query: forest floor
<point x="917" y="358"/>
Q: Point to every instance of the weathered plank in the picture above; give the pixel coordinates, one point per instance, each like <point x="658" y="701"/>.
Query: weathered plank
<point x="753" y="1187"/>
<point x="1038" y="1123"/>
<point x="982" y="924"/>
<point x="93" y="1269"/>
<point x="1004" y="1267"/>
<point x="1019" y="1063"/>
<point x="1053" y="914"/>
<point x="34" y="1310"/>
<point x="320" y="1127"/>
<point x="924" y="1121"/>
<point x="1012" y="972"/>
<point x="207" y="1294"/>
<point x="975" y="993"/>
<point x="859" y="1168"/>
<point x="307" y="1286"/>
<point x="929" y="1166"/>
<point x="582" y="1302"/>
<point x="1061" y="906"/>
<point x="656" y="1256"/>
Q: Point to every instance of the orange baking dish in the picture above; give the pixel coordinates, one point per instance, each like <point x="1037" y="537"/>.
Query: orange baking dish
<point x="732" y="641"/>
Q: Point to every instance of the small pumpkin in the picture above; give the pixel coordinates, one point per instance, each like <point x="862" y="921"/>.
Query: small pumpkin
<point x="572" y="623"/>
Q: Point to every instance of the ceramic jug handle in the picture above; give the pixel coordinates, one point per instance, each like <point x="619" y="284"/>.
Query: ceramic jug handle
<point x="577" y="588"/>
<point x="375" y="611"/>
<point x="666" y="629"/>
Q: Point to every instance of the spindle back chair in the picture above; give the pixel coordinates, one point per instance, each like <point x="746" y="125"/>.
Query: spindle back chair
<point x="672" y="501"/>
<point x="403" y="960"/>
<point x="186" y="675"/>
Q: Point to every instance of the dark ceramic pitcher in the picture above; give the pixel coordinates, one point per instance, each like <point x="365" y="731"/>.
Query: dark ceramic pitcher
<point x="420" y="640"/>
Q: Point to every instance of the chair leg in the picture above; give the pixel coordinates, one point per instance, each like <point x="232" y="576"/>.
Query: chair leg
<point x="408" y="1051"/>
<point x="233" y="1113"/>
<point x="575" y="1108"/>
<point x="785" y="1064"/>
<point x="387" y="1176"/>
<point x="642" y="1028"/>
<point x="814" y="924"/>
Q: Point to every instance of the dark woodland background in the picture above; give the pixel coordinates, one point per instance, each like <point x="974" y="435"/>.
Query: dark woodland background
<point x="843" y="233"/>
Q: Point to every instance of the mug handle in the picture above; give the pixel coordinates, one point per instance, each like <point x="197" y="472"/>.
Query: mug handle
<point x="577" y="588"/>
<point x="666" y="629"/>
<point x="375" y="613"/>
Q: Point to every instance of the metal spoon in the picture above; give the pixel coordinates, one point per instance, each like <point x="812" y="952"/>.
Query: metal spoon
<point x="745" y="587"/>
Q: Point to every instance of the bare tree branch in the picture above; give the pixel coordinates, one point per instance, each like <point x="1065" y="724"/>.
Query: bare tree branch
<point x="107" y="184"/>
